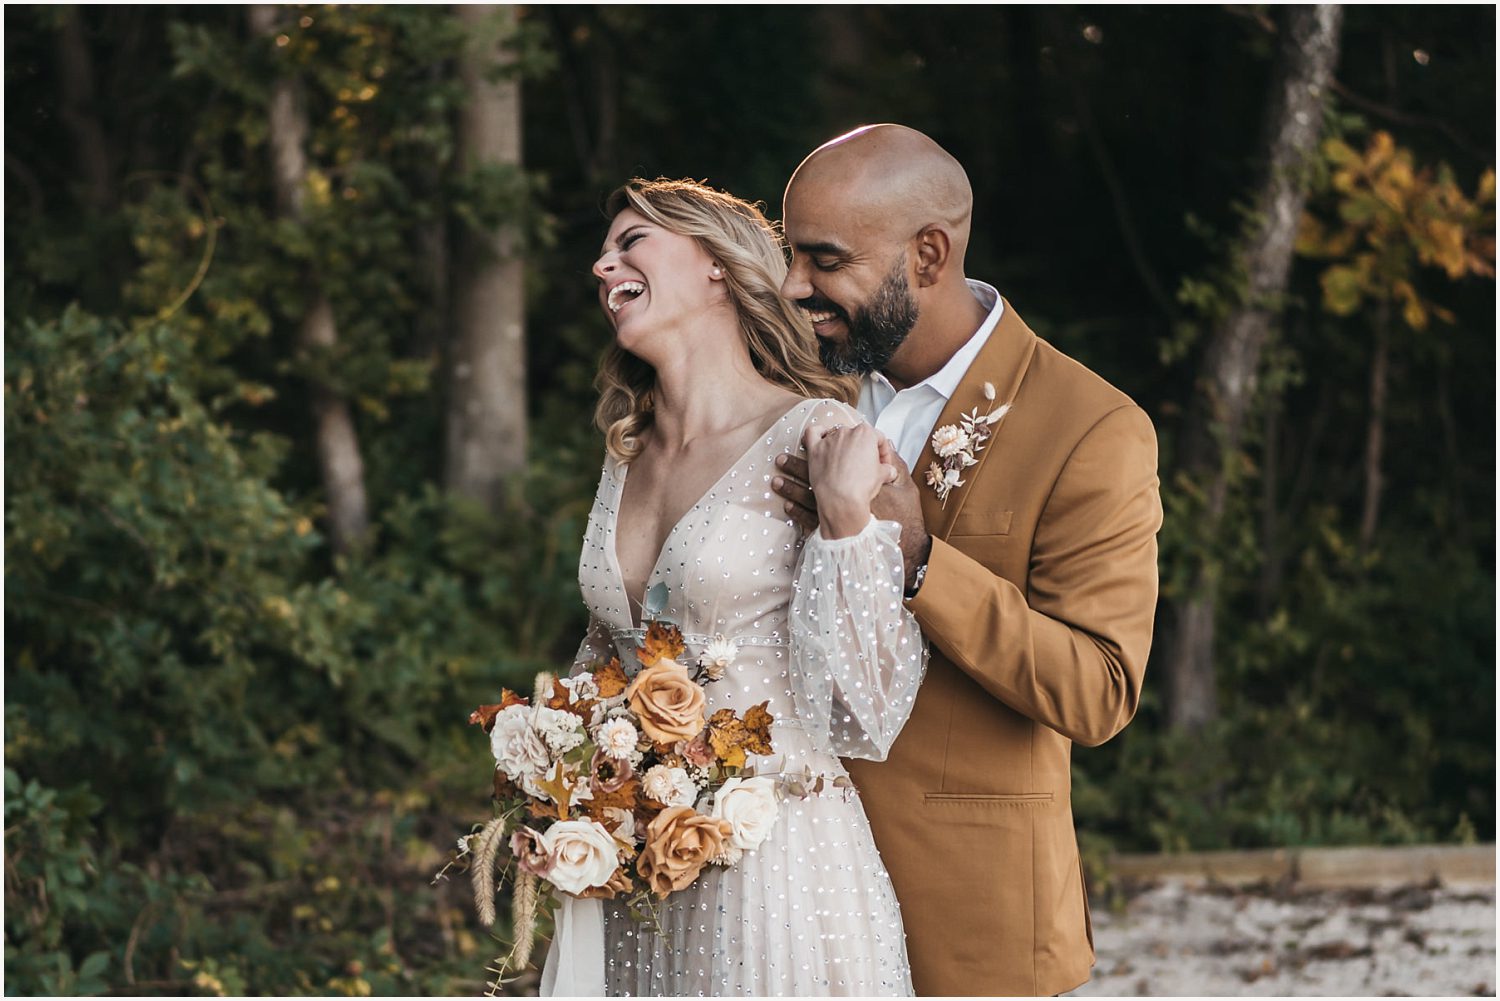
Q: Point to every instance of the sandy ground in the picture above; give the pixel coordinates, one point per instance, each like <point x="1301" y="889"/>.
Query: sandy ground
<point x="1173" y="938"/>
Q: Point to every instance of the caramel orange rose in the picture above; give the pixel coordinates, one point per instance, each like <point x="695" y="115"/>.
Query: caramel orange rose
<point x="679" y="843"/>
<point x="667" y="701"/>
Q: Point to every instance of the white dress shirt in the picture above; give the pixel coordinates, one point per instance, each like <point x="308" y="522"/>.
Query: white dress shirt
<point x="906" y="416"/>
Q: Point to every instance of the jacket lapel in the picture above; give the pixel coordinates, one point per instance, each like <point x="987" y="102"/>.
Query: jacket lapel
<point x="1002" y="362"/>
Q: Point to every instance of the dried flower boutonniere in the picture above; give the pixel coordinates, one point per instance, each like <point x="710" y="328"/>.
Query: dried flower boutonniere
<point x="957" y="445"/>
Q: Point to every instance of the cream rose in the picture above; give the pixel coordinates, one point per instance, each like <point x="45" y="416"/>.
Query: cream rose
<point x="581" y="855"/>
<point x="679" y="843"/>
<point x="667" y="702"/>
<point x="750" y="808"/>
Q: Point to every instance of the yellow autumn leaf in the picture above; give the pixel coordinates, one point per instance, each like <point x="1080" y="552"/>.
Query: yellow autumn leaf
<point x="556" y="786"/>
<point x="1342" y="289"/>
<point x="1412" y="310"/>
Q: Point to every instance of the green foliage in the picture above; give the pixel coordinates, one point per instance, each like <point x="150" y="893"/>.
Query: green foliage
<point x="232" y="765"/>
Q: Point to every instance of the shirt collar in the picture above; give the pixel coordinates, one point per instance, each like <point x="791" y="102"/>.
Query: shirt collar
<point x="945" y="380"/>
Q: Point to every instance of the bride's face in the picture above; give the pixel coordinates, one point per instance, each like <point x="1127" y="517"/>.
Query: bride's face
<point x="652" y="279"/>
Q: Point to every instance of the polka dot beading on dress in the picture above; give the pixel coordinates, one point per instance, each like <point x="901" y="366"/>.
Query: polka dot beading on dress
<point x="821" y="633"/>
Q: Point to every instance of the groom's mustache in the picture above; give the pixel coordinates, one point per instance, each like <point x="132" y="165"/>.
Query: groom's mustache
<point x="817" y="304"/>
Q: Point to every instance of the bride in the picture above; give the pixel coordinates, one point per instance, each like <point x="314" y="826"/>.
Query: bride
<point x="711" y="376"/>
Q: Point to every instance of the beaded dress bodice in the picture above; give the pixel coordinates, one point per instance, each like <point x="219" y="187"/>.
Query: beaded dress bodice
<point x="733" y="569"/>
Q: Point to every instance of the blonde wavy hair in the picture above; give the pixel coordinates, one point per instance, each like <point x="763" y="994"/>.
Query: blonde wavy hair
<point x="749" y="250"/>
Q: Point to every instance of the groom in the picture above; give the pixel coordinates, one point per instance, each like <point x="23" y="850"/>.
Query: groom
<point x="1031" y="567"/>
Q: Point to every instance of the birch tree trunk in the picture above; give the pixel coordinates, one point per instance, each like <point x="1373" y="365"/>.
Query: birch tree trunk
<point x="487" y="370"/>
<point x="339" y="460"/>
<point x="1231" y="361"/>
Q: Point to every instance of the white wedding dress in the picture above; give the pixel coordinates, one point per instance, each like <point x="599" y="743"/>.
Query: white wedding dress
<point x="821" y="632"/>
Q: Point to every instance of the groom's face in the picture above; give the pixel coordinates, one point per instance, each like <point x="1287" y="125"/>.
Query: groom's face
<point x="850" y="280"/>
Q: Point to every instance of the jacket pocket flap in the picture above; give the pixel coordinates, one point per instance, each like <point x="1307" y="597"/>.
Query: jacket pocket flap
<point x="988" y="799"/>
<point x="982" y="523"/>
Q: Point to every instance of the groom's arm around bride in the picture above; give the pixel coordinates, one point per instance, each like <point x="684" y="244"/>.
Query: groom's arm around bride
<point x="1029" y="528"/>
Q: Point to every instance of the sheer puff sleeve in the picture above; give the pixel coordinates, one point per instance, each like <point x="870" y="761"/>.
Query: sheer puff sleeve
<point x="860" y="657"/>
<point x="597" y="645"/>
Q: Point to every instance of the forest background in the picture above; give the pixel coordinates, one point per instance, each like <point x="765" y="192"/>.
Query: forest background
<point x="299" y="340"/>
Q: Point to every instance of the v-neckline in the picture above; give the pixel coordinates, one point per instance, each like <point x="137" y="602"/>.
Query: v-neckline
<point x="614" y="527"/>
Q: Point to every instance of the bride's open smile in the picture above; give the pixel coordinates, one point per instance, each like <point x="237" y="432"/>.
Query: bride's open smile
<point x="644" y="269"/>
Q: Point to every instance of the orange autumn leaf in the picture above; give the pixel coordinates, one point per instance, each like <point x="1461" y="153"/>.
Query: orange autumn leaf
<point x="623" y="798"/>
<point x="758" y="728"/>
<point x="663" y="641"/>
<point x="727" y="736"/>
<point x="560" y="700"/>
<point x="484" y="716"/>
<point x="611" y="679"/>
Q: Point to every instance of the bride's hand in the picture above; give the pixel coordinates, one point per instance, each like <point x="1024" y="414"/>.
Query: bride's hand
<point x="845" y="473"/>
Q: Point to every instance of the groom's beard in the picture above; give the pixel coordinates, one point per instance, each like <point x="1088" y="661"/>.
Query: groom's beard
<point x="876" y="329"/>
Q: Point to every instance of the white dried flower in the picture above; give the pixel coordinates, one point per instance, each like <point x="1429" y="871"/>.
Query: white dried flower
<point x="670" y="786"/>
<point x="989" y="390"/>
<point x="560" y="729"/>
<point x="728" y="855"/>
<point x="617" y="738"/>
<point x="717" y="657"/>
<point x="580" y="687"/>
<point x="948" y="440"/>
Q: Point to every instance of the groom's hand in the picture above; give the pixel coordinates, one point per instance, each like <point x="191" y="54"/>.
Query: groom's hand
<point x="794" y="486"/>
<point x="898" y="501"/>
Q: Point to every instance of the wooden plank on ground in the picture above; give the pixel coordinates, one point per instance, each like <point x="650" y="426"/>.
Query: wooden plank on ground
<point x="1361" y="866"/>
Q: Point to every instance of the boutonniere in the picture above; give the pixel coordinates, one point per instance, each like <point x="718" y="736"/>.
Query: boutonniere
<point x="957" y="445"/>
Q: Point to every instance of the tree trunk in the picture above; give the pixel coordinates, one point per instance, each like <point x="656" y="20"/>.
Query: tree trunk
<point x="1375" y="430"/>
<point x="1231" y="360"/>
<point x="1270" y="530"/>
<point x="487" y="373"/>
<point x="76" y="83"/>
<point x="339" y="459"/>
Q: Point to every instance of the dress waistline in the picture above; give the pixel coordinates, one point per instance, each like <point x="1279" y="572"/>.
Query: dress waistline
<point x="636" y="635"/>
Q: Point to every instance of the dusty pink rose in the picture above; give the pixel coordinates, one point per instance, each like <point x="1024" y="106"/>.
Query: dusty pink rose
<point x="610" y="773"/>
<point x="697" y="751"/>
<point x="530" y="854"/>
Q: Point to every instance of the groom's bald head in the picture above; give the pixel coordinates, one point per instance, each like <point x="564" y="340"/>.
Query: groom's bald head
<point x="878" y="221"/>
<point x="891" y="178"/>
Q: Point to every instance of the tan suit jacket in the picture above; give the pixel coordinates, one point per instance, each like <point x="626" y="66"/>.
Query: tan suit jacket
<point x="1038" y="605"/>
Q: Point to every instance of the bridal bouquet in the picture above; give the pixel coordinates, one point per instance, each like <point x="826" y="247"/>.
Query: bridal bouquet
<point x="608" y="787"/>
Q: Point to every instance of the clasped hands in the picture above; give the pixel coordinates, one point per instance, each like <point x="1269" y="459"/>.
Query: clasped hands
<point x="850" y="474"/>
